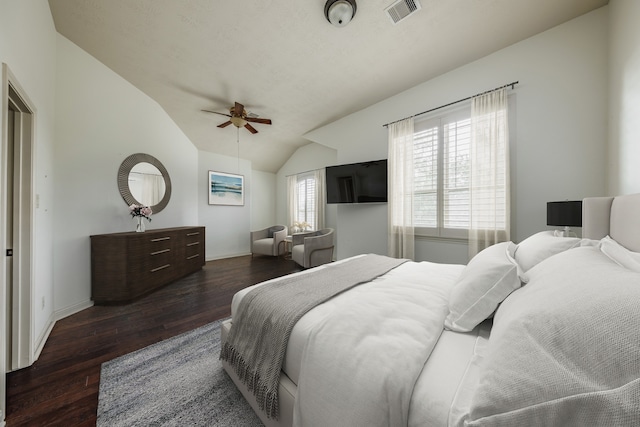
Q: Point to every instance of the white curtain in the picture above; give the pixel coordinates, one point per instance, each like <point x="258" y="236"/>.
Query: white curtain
<point x="292" y="200"/>
<point x="321" y="199"/>
<point x="489" y="190"/>
<point x="400" y="177"/>
<point x="153" y="189"/>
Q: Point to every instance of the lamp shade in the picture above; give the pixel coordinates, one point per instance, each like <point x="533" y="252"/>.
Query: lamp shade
<point x="565" y="214"/>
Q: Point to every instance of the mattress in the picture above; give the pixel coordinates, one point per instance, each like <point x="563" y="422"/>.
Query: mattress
<point x="440" y="390"/>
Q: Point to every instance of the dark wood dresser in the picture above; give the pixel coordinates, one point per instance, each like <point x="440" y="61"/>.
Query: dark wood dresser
<point x="125" y="266"/>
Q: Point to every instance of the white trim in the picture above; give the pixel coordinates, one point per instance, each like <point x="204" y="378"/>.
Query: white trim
<point x="3" y="275"/>
<point x="443" y="233"/>
<point x="44" y="336"/>
<point x="23" y="237"/>
<point x="443" y="239"/>
<point x="76" y="308"/>
<point x="227" y="256"/>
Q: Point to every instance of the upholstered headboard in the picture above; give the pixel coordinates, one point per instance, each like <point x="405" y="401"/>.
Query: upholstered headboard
<point x="618" y="217"/>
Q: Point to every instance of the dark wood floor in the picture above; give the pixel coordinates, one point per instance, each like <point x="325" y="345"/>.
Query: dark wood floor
<point x="61" y="388"/>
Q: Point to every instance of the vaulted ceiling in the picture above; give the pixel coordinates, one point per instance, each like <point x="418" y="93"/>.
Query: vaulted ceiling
<point x="284" y="61"/>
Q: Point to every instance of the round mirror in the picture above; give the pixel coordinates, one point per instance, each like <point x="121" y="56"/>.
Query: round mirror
<point x="143" y="180"/>
<point x="146" y="184"/>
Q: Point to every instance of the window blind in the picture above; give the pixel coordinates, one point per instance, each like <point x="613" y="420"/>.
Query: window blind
<point x="306" y="211"/>
<point x="441" y="170"/>
<point x="456" y="145"/>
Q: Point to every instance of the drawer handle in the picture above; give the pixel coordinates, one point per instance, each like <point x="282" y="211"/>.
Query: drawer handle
<point x="193" y="256"/>
<point x="160" y="239"/>
<point x="161" y="268"/>
<point x="192" y="244"/>
<point x="193" y="234"/>
<point x="160" y="252"/>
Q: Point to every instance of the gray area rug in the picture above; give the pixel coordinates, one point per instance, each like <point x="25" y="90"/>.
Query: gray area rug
<point x="176" y="382"/>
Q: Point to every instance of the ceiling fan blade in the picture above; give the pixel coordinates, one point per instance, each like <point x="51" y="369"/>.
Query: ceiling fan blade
<point x="215" y="112"/>
<point x="250" y="128"/>
<point x="225" y="124"/>
<point x="238" y="109"/>
<point x="258" y="120"/>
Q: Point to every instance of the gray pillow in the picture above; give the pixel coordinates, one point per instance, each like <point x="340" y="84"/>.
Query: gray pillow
<point x="271" y="231"/>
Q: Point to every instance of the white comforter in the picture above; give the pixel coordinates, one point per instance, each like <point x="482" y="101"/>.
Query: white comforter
<point x="374" y="341"/>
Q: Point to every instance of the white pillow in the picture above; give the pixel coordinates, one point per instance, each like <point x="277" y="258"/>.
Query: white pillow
<point x="541" y="246"/>
<point x="565" y="348"/>
<point x="621" y="255"/>
<point x="487" y="280"/>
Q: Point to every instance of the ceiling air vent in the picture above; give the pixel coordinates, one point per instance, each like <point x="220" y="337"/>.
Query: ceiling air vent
<point x="400" y="9"/>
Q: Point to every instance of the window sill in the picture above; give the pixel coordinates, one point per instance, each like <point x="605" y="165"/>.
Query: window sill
<point x="456" y="240"/>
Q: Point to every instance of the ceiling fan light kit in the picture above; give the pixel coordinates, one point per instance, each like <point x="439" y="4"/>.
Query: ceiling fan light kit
<point x="340" y="12"/>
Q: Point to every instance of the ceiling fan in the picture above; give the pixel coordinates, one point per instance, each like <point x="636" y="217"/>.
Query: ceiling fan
<point x="240" y="118"/>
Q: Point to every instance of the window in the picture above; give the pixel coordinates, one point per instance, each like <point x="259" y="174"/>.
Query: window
<point x="305" y="209"/>
<point x="441" y="175"/>
<point x="306" y="199"/>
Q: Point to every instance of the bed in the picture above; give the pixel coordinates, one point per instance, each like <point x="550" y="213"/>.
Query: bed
<point x="545" y="332"/>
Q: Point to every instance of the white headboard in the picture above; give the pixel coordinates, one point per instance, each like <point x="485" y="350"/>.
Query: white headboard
<point x="618" y="217"/>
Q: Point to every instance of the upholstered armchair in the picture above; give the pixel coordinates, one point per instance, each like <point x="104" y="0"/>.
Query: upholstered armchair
<point x="267" y="241"/>
<point x="313" y="248"/>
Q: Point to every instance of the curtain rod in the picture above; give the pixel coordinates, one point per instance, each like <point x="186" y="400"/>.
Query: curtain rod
<point x="300" y="173"/>
<point x="512" y="84"/>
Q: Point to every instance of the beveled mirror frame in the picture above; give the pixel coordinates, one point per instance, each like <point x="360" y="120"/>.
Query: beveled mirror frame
<point x="123" y="180"/>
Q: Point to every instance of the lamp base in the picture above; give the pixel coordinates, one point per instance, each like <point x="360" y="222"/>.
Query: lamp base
<point x="566" y="232"/>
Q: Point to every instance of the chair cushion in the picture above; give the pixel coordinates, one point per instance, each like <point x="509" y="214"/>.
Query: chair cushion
<point x="263" y="246"/>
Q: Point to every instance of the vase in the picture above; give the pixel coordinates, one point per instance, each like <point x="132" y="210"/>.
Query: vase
<point x="140" y="224"/>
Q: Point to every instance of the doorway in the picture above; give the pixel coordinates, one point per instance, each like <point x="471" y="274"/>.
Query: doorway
<point x="16" y="230"/>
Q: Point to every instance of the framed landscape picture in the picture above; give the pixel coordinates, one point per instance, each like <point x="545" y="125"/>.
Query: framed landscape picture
<point x="226" y="189"/>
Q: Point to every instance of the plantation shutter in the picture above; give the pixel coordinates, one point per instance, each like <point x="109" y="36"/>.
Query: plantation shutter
<point x="306" y="210"/>
<point x="441" y="169"/>
<point x="425" y="213"/>
<point x="456" y="144"/>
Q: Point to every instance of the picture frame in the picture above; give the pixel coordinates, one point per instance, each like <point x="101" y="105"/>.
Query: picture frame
<point x="226" y="189"/>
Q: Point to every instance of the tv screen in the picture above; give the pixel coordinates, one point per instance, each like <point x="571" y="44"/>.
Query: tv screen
<point x="357" y="182"/>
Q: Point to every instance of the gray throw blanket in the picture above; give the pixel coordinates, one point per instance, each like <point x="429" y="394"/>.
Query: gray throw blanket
<point x="257" y="340"/>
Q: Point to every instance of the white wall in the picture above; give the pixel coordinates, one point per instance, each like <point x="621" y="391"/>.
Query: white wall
<point x="561" y="128"/>
<point x="100" y="120"/>
<point x="624" y="97"/>
<point x="227" y="227"/>
<point x="28" y="47"/>
<point x="306" y="158"/>
<point x="263" y="200"/>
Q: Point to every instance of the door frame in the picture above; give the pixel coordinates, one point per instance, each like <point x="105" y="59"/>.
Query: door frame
<point x="22" y="306"/>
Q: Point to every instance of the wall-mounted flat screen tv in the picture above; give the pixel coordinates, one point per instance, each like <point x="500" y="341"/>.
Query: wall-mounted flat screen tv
<point x="364" y="182"/>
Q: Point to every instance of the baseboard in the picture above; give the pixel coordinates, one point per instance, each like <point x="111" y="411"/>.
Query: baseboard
<point x="66" y="312"/>
<point x="44" y="336"/>
<point x="226" y="256"/>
